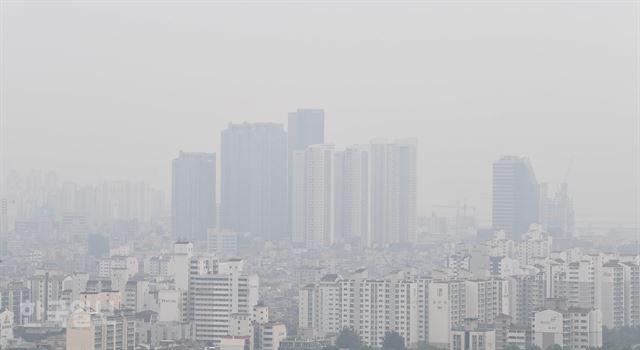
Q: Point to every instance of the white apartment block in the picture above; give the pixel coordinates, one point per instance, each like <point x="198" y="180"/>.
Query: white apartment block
<point x="157" y="265"/>
<point x="456" y="301"/>
<point x="136" y="295"/>
<point x="526" y="295"/>
<point x="486" y="299"/>
<point x="571" y="328"/>
<point x="107" y="265"/>
<point x="440" y="312"/>
<point x="620" y="294"/>
<point x="369" y="307"/>
<point x="632" y="294"/>
<point x="180" y="264"/>
<point x="46" y="296"/>
<point x="216" y="291"/>
<point x="605" y="281"/>
<point x="500" y="245"/>
<point x="269" y="335"/>
<point x="613" y="298"/>
<point x="472" y="337"/>
<point x="598" y="282"/>
<point x="419" y="309"/>
<point x="534" y="245"/>
<point x="104" y="331"/>
<point x="315" y="196"/>
<point x="362" y="194"/>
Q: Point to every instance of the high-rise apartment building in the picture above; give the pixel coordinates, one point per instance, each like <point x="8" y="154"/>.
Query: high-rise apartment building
<point x="355" y="190"/>
<point x="527" y="294"/>
<point x="571" y="328"/>
<point x="268" y="335"/>
<point x="193" y="202"/>
<point x="515" y="196"/>
<point x="46" y="292"/>
<point x="254" y="179"/>
<point x="370" y="307"/>
<point x="473" y="335"/>
<point x="314" y="200"/>
<point x="216" y="291"/>
<point x="330" y="196"/>
<point x="393" y="192"/>
<point x="419" y="309"/>
<point x="13" y="297"/>
<point x="96" y="330"/>
<point x="305" y="127"/>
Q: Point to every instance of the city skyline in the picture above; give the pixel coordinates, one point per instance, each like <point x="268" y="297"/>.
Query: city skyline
<point x="559" y="189"/>
<point x="319" y="175"/>
<point x="483" y="202"/>
<point x="457" y="82"/>
<point x="484" y="219"/>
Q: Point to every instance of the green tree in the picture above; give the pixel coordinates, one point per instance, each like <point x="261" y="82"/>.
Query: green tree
<point x="348" y="339"/>
<point x="554" y="347"/>
<point x="533" y="347"/>
<point x="393" y="341"/>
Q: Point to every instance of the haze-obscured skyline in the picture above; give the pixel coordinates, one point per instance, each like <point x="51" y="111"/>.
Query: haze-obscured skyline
<point x="101" y="91"/>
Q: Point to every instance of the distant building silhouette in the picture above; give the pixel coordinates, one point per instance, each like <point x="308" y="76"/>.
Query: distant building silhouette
<point x="305" y="127"/>
<point x="393" y="192"/>
<point x="193" y="203"/>
<point x="556" y="213"/>
<point x="515" y="196"/>
<point x="354" y="188"/>
<point x="254" y="179"/>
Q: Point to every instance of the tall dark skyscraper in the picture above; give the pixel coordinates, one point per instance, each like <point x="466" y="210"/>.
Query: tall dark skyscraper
<point x="254" y="179"/>
<point x="193" y="190"/>
<point x="306" y="127"/>
<point x="515" y="196"/>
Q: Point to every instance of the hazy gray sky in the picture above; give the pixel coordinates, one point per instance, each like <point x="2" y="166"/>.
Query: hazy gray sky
<point x="98" y="90"/>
